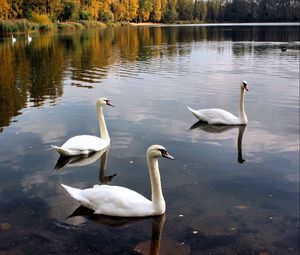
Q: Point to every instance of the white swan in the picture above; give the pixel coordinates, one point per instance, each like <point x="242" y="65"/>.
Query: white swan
<point x="29" y="38"/>
<point x="123" y="202"/>
<point x="13" y="39"/>
<point x="222" y="117"/>
<point x="85" y="144"/>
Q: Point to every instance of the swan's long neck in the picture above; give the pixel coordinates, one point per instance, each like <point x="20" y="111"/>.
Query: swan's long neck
<point x="243" y="117"/>
<point x="102" y="124"/>
<point x="157" y="196"/>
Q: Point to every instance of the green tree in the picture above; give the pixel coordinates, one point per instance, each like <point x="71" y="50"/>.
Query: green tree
<point x="171" y="13"/>
<point x="105" y="13"/>
<point x="55" y="9"/>
<point x="146" y="7"/>
<point x="185" y="9"/>
<point x="200" y="10"/>
<point x="164" y="6"/>
<point x="70" y="10"/>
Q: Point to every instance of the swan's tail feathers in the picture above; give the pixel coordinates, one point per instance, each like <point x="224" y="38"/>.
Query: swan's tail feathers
<point x="76" y="194"/>
<point x="190" y="109"/>
<point x="193" y="112"/>
<point x="62" y="151"/>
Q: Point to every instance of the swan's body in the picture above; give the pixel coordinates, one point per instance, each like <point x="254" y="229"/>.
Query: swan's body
<point x="13" y="39"/>
<point x="85" y="144"/>
<point x="29" y="38"/>
<point x="222" y="117"/>
<point x="123" y="202"/>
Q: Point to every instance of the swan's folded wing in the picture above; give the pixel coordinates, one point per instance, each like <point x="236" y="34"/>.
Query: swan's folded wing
<point x="218" y="116"/>
<point x="117" y="201"/>
<point x="86" y="143"/>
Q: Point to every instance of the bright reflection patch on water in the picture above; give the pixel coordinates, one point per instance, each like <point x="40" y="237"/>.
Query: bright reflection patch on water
<point x="229" y="190"/>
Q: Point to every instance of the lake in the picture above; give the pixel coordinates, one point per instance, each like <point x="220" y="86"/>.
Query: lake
<point x="230" y="190"/>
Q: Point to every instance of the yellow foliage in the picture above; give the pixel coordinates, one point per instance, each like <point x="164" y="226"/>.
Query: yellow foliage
<point x="4" y="9"/>
<point x="41" y="18"/>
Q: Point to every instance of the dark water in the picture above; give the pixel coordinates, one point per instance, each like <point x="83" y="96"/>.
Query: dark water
<point x="229" y="191"/>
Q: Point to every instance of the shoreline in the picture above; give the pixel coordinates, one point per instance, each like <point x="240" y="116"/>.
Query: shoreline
<point x="213" y="24"/>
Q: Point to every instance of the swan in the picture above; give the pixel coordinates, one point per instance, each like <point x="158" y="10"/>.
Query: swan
<point x="13" y="39"/>
<point x="29" y="38"/>
<point x="122" y="202"/>
<point x="222" y="117"/>
<point x="85" y="144"/>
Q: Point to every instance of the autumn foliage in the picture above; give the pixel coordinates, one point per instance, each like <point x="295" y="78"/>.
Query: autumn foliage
<point x="45" y="11"/>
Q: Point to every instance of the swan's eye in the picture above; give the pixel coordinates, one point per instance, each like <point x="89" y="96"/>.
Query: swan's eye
<point x="162" y="151"/>
<point x="165" y="154"/>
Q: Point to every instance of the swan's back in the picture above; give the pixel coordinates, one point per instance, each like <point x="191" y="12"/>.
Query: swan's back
<point x="112" y="200"/>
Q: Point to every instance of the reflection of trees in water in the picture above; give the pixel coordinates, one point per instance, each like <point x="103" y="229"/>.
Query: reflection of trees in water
<point x="29" y="74"/>
<point x="13" y="90"/>
<point x="46" y="61"/>
<point x="35" y="72"/>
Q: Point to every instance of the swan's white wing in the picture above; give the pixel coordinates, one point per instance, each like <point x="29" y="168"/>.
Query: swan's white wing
<point x="86" y="143"/>
<point x="216" y="116"/>
<point x="113" y="201"/>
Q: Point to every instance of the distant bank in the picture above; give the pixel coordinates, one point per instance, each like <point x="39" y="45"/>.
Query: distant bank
<point x="24" y="26"/>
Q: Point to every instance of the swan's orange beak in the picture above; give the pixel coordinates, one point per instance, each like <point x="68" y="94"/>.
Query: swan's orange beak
<point x="246" y="87"/>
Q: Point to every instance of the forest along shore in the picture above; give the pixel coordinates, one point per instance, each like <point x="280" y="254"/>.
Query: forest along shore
<point x="19" y="16"/>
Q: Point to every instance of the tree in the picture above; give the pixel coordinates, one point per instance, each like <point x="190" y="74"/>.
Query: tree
<point x="55" y="8"/>
<point x="157" y="14"/>
<point x="200" y="10"/>
<point x="70" y="10"/>
<point x="146" y="7"/>
<point x="105" y="13"/>
<point x="185" y="9"/>
<point x="164" y="6"/>
<point x="119" y="10"/>
<point x="4" y="9"/>
<point x="171" y="13"/>
<point x="214" y="9"/>
<point x="132" y="10"/>
<point x="16" y="10"/>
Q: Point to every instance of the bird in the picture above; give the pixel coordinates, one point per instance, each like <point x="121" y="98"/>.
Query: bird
<point x="221" y="117"/>
<point x="123" y="202"/>
<point x="29" y="38"/>
<point x="13" y="39"/>
<point x="85" y="144"/>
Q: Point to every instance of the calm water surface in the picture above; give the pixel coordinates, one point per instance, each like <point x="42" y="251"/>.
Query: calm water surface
<point x="229" y="190"/>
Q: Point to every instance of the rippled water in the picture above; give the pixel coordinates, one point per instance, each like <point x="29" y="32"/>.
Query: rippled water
<point x="230" y="190"/>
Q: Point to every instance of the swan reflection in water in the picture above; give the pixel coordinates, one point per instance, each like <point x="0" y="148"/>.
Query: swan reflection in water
<point x="151" y="247"/>
<point x="220" y="129"/>
<point x="83" y="160"/>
